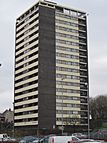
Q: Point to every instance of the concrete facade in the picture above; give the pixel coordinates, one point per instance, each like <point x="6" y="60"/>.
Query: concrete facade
<point x="51" y="68"/>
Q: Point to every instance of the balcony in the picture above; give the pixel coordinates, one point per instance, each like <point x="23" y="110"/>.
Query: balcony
<point x="82" y="28"/>
<point x="83" y="93"/>
<point x="82" y="22"/>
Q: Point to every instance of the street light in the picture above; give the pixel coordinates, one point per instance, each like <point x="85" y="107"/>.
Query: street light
<point x="88" y="111"/>
<point x="88" y="116"/>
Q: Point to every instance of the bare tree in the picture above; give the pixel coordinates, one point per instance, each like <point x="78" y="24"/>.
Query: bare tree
<point x="98" y="107"/>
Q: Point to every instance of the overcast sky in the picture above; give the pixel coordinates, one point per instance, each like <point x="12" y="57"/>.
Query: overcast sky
<point x="97" y="41"/>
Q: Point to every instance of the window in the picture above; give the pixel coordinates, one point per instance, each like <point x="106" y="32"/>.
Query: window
<point x="26" y="25"/>
<point x="67" y="69"/>
<point x="71" y="16"/>
<point x="66" y="29"/>
<point x="67" y="36"/>
<point x="67" y="42"/>
<point x="67" y="76"/>
<point x="26" y="19"/>
<point x="66" y="55"/>
<point x="67" y="90"/>
<point x="66" y="11"/>
<point x="67" y="83"/>
<point x="26" y="44"/>
<point x="26" y="38"/>
<point x="67" y="62"/>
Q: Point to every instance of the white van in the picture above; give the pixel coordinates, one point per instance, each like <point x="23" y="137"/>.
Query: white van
<point x="4" y="137"/>
<point x="63" y="139"/>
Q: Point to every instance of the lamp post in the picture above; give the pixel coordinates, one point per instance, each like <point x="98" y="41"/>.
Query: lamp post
<point x="88" y="112"/>
<point x="88" y="117"/>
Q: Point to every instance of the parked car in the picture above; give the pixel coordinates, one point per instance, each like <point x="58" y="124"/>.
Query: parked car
<point x="5" y="137"/>
<point x="43" y="139"/>
<point x="85" y="140"/>
<point x="90" y="141"/>
<point x="94" y="141"/>
<point x="80" y="135"/>
<point x="28" y="139"/>
<point x="63" y="139"/>
<point x="38" y="140"/>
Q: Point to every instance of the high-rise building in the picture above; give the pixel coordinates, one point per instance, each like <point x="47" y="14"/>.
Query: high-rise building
<point x="51" y="68"/>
